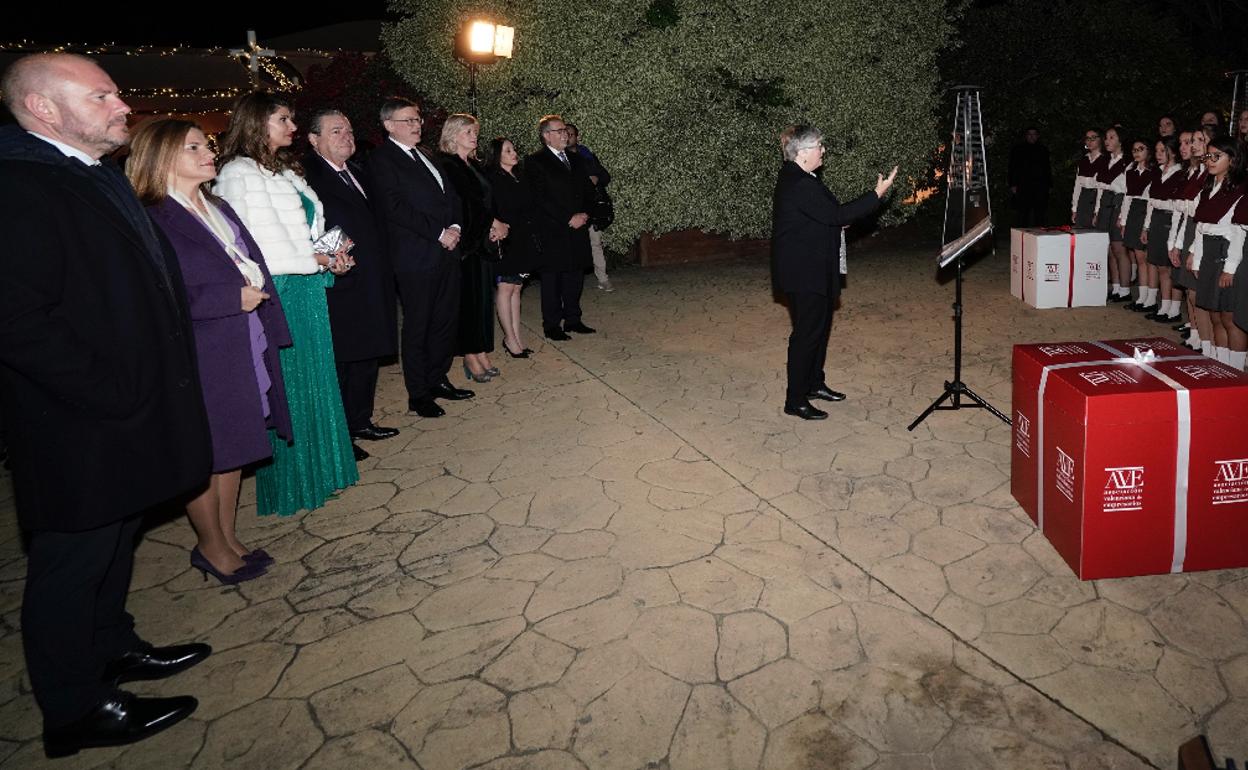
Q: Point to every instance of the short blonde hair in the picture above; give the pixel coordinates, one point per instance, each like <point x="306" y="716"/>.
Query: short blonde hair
<point x="153" y="154"/>
<point x="450" y="132"/>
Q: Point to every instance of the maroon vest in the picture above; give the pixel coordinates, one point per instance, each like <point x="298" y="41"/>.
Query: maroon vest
<point x="1138" y="181"/>
<point x="1192" y="186"/>
<point x="1166" y="189"/>
<point x="1110" y="171"/>
<point x="1091" y="168"/>
<point x="1211" y="208"/>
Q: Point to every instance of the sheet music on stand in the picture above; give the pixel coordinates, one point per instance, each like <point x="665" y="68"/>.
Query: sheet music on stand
<point x="955" y="248"/>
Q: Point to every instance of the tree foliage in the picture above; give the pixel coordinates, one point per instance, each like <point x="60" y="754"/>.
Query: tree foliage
<point x="353" y="84"/>
<point x="684" y="99"/>
<point x="1068" y="65"/>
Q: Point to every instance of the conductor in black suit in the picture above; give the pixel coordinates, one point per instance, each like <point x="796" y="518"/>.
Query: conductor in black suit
<point x="361" y="301"/>
<point x="562" y="197"/>
<point x="421" y="213"/>
<point x="805" y="251"/>
<point x="100" y="399"/>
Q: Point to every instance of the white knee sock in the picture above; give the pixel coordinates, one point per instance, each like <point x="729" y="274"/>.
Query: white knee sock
<point x="1221" y="354"/>
<point x="1193" y="340"/>
<point x="1206" y="347"/>
<point x="1152" y="296"/>
<point x="1237" y="359"/>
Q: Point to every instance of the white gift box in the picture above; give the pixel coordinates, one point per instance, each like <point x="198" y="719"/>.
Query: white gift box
<point x="1059" y="267"/>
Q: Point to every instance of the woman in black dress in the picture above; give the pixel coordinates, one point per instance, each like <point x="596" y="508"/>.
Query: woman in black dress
<point x="511" y="207"/>
<point x="478" y="244"/>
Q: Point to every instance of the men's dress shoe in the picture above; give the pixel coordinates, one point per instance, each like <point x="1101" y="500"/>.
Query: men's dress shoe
<point x="556" y="334"/>
<point x="451" y="393"/>
<point x="374" y="433"/>
<point x="154" y="662"/>
<point x="579" y="328"/>
<point x="806" y="412"/>
<point x="360" y="452"/>
<point x="123" y="718"/>
<point x="425" y="407"/>
<point x="826" y="393"/>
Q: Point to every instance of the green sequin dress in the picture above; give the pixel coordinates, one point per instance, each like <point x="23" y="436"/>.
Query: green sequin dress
<point x="319" y="462"/>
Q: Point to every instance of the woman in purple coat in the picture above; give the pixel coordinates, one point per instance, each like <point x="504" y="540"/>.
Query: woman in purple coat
<point x="238" y="325"/>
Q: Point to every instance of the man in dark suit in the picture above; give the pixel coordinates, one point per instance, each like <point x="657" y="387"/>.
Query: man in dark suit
<point x="100" y="399"/>
<point x="562" y="197"/>
<point x="361" y="301"/>
<point x="1030" y="177"/>
<point x="421" y="213"/>
<point x="805" y="251"/>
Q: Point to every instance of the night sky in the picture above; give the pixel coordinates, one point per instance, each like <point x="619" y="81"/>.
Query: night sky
<point x="172" y="23"/>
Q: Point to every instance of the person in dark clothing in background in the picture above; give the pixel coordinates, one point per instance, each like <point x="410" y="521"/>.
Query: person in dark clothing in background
<point x="1030" y="178"/>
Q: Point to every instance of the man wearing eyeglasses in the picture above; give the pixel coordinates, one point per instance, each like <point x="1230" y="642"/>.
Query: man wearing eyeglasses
<point x="562" y="195"/>
<point x="421" y="214"/>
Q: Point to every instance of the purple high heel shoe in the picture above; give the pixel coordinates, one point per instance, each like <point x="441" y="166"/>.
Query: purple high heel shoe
<point x="240" y="575"/>
<point x="259" y="557"/>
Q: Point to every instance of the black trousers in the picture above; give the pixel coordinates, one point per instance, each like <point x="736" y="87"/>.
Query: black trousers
<point x="561" y="297"/>
<point x="430" y="323"/>
<point x="357" y="380"/>
<point x="808" y="344"/>
<point x="1029" y="208"/>
<point x="74" y="618"/>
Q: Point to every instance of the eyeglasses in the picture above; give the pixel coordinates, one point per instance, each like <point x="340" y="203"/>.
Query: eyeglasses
<point x="555" y="131"/>
<point x="409" y="121"/>
<point x="1213" y="156"/>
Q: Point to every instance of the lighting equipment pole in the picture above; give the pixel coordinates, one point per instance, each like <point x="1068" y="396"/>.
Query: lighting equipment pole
<point x="481" y="42"/>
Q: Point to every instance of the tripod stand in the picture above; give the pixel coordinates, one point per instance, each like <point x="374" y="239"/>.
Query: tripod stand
<point x="955" y="389"/>
<point x="967" y="157"/>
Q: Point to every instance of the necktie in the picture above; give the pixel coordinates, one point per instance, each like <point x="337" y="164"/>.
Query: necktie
<point x="564" y="158"/>
<point x="345" y="176"/>
<point x="420" y="158"/>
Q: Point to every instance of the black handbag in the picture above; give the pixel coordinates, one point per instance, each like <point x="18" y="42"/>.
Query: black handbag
<point x="603" y="213"/>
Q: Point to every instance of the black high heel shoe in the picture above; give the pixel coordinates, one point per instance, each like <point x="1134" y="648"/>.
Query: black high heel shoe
<point x="248" y="571"/>
<point x="522" y="354"/>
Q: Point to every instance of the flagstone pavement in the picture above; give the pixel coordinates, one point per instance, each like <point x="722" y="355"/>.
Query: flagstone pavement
<point x="622" y="554"/>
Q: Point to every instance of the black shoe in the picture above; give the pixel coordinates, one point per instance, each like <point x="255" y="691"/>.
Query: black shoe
<point x="826" y="393"/>
<point x="1165" y="319"/>
<point x="425" y="407"/>
<point x="579" y="328"/>
<point x="1117" y="297"/>
<point x="556" y="334"/>
<point x="522" y="354"/>
<point x="1132" y="306"/>
<point x="1183" y="327"/>
<point x="155" y="662"/>
<point x="374" y="433"/>
<point x="1145" y="309"/>
<point x="449" y="392"/>
<point x="360" y="452"/>
<point x="123" y="718"/>
<point x="806" y="412"/>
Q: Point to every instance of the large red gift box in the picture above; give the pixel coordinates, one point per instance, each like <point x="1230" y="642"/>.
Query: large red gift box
<point x="1132" y="462"/>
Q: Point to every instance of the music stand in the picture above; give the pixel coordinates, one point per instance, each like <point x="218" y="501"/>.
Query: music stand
<point x="967" y="155"/>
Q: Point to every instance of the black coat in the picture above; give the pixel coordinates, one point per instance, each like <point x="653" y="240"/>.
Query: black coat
<point x="99" y="392"/>
<point x="806" y="231"/>
<point x="476" y="201"/>
<point x="361" y="302"/>
<point x="414" y="208"/>
<point x="558" y="192"/>
<point x="514" y="205"/>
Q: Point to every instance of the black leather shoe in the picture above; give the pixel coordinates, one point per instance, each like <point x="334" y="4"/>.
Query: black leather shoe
<point x="826" y="393"/>
<point x="360" y="452"/>
<point x="1133" y="306"/>
<point x="806" y="412"/>
<point x="1117" y="297"/>
<point x="1145" y="309"/>
<point x="425" y="407"/>
<point x="1164" y="319"/>
<point x="449" y="392"/>
<point x="155" y="662"/>
<point x="374" y="433"/>
<point x="556" y="334"/>
<point x="123" y="718"/>
<point x="579" y="328"/>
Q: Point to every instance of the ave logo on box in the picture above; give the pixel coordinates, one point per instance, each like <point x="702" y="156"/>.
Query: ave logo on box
<point x="1093" y="271"/>
<point x="1053" y="351"/>
<point x="1230" y="481"/>
<point x="1065" y="476"/>
<point x="1052" y="272"/>
<point x="1124" y="489"/>
<point x="1022" y="434"/>
<point x="1201" y="371"/>
<point x="1100" y="377"/>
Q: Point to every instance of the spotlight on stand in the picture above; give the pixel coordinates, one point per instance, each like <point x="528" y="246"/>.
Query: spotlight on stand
<point x="482" y="42"/>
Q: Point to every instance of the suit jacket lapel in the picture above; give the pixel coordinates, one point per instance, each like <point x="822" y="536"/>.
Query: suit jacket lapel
<point x="177" y="218"/>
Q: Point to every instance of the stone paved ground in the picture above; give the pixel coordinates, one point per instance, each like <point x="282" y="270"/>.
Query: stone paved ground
<point x="622" y="555"/>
